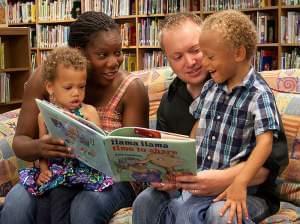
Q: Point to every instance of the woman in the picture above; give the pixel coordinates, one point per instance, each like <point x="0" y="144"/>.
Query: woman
<point x="120" y="99"/>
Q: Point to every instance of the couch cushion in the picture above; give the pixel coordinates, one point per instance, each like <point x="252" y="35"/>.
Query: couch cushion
<point x="8" y="161"/>
<point x="286" y="88"/>
<point x="288" y="213"/>
<point x="157" y="81"/>
<point x="283" y="80"/>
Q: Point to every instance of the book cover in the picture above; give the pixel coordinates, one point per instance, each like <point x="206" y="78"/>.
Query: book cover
<point x="126" y="154"/>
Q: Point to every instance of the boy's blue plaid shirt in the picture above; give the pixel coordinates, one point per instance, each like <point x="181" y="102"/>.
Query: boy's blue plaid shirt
<point x="229" y="122"/>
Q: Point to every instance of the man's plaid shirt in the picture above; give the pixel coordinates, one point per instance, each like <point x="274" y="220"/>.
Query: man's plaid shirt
<point x="229" y="121"/>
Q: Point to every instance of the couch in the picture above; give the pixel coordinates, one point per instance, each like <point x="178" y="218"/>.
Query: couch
<point x="286" y="87"/>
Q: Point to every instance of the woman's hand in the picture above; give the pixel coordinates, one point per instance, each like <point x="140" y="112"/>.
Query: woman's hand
<point x="205" y="183"/>
<point x="50" y="147"/>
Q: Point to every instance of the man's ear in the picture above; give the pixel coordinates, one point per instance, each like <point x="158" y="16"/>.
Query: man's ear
<point x="240" y="54"/>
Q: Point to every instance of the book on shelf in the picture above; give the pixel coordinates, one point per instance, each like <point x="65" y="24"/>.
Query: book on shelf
<point x="126" y="154"/>
<point x="3" y="12"/>
<point x="4" y="88"/>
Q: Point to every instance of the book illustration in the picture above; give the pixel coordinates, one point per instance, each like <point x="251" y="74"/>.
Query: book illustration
<point x="150" y="169"/>
<point x="126" y="154"/>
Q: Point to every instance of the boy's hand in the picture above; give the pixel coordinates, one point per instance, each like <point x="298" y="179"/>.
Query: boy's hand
<point x="236" y="202"/>
<point x="44" y="177"/>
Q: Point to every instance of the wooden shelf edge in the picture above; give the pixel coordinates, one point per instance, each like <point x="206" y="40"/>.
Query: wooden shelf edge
<point x="22" y="69"/>
<point x="12" y="102"/>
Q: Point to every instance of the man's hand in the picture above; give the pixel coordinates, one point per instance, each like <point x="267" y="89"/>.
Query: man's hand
<point x="205" y="183"/>
<point x="164" y="186"/>
<point x="236" y="201"/>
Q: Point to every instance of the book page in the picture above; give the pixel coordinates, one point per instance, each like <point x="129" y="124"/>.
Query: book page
<point x="87" y="144"/>
<point x="150" y="159"/>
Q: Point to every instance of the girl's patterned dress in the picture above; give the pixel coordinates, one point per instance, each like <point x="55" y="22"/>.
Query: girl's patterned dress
<point x="65" y="172"/>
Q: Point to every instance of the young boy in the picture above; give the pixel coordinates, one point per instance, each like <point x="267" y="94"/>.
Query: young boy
<point x="237" y="115"/>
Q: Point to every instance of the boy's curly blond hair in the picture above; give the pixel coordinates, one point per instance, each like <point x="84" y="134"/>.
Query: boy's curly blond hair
<point x="235" y="27"/>
<point x="175" y="20"/>
<point x="69" y="57"/>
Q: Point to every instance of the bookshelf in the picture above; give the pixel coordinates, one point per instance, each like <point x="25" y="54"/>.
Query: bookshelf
<point x="278" y="23"/>
<point x="14" y="66"/>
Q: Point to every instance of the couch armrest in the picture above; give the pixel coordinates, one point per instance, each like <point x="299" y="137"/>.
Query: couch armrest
<point x="8" y="161"/>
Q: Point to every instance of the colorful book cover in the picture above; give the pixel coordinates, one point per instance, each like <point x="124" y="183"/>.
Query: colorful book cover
<point x="126" y="154"/>
<point x="3" y="12"/>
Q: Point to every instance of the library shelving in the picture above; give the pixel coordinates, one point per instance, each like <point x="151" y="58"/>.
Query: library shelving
<point x="14" y="66"/>
<point x="278" y="26"/>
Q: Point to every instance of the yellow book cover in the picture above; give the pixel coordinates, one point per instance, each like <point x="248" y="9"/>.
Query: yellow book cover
<point x="33" y="13"/>
<point x="132" y="63"/>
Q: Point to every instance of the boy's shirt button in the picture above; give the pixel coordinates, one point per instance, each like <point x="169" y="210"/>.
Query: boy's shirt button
<point x="218" y="117"/>
<point x="208" y="157"/>
<point x="213" y="138"/>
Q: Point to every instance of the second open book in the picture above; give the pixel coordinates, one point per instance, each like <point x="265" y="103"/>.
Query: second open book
<point x="126" y="154"/>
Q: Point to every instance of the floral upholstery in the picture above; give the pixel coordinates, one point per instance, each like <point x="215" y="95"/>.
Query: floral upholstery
<point x="286" y="87"/>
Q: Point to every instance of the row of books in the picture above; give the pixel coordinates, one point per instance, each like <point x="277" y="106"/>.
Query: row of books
<point x="129" y="63"/>
<point x="21" y="12"/>
<point x="154" y="59"/>
<point x="291" y="59"/>
<point x="290" y="27"/>
<point x="265" y="60"/>
<point x="215" y="5"/>
<point x="55" y="10"/>
<point x="4" y="88"/>
<point x="291" y="2"/>
<point x="148" y="32"/>
<point x="265" y="26"/>
<point x="110" y="7"/>
<point x="128" y="34"/>
<point x="147" y="7"/>
<point x="52" y="36"/>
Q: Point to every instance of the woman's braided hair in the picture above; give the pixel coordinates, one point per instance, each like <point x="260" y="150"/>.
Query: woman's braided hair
<point x="88" y="24"/>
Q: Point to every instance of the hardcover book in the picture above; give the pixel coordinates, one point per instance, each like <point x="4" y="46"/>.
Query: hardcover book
<point x="126" y="154"/>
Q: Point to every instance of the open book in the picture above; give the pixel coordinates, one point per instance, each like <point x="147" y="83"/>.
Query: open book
<point x="126" y="154"/>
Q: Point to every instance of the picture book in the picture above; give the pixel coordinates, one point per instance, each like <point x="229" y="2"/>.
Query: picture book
<point x="126" y="154"/>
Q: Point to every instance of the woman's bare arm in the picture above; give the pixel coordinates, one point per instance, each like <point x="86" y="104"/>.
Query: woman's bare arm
<point x="136" y="105"/>
<point x="26" y="144"/>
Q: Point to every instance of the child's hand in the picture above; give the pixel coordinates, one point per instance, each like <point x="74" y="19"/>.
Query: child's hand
<point x="236" y="202"/>
<point x="44" y="177"/>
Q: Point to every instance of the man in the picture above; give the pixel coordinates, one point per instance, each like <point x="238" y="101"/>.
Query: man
<point x="179" y="39"/>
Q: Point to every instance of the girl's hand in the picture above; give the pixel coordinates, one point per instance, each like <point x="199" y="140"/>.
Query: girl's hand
<point x="44" y="177"/>
<point x="50" y="147"/>
<point x="236" y="202"/>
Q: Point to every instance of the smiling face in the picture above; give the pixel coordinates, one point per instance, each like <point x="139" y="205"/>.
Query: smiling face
<point x="68" y="87"/>
<point x="105" y="55"/>
<point x="181" y="46"/>
<point x="219" y="57"/>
